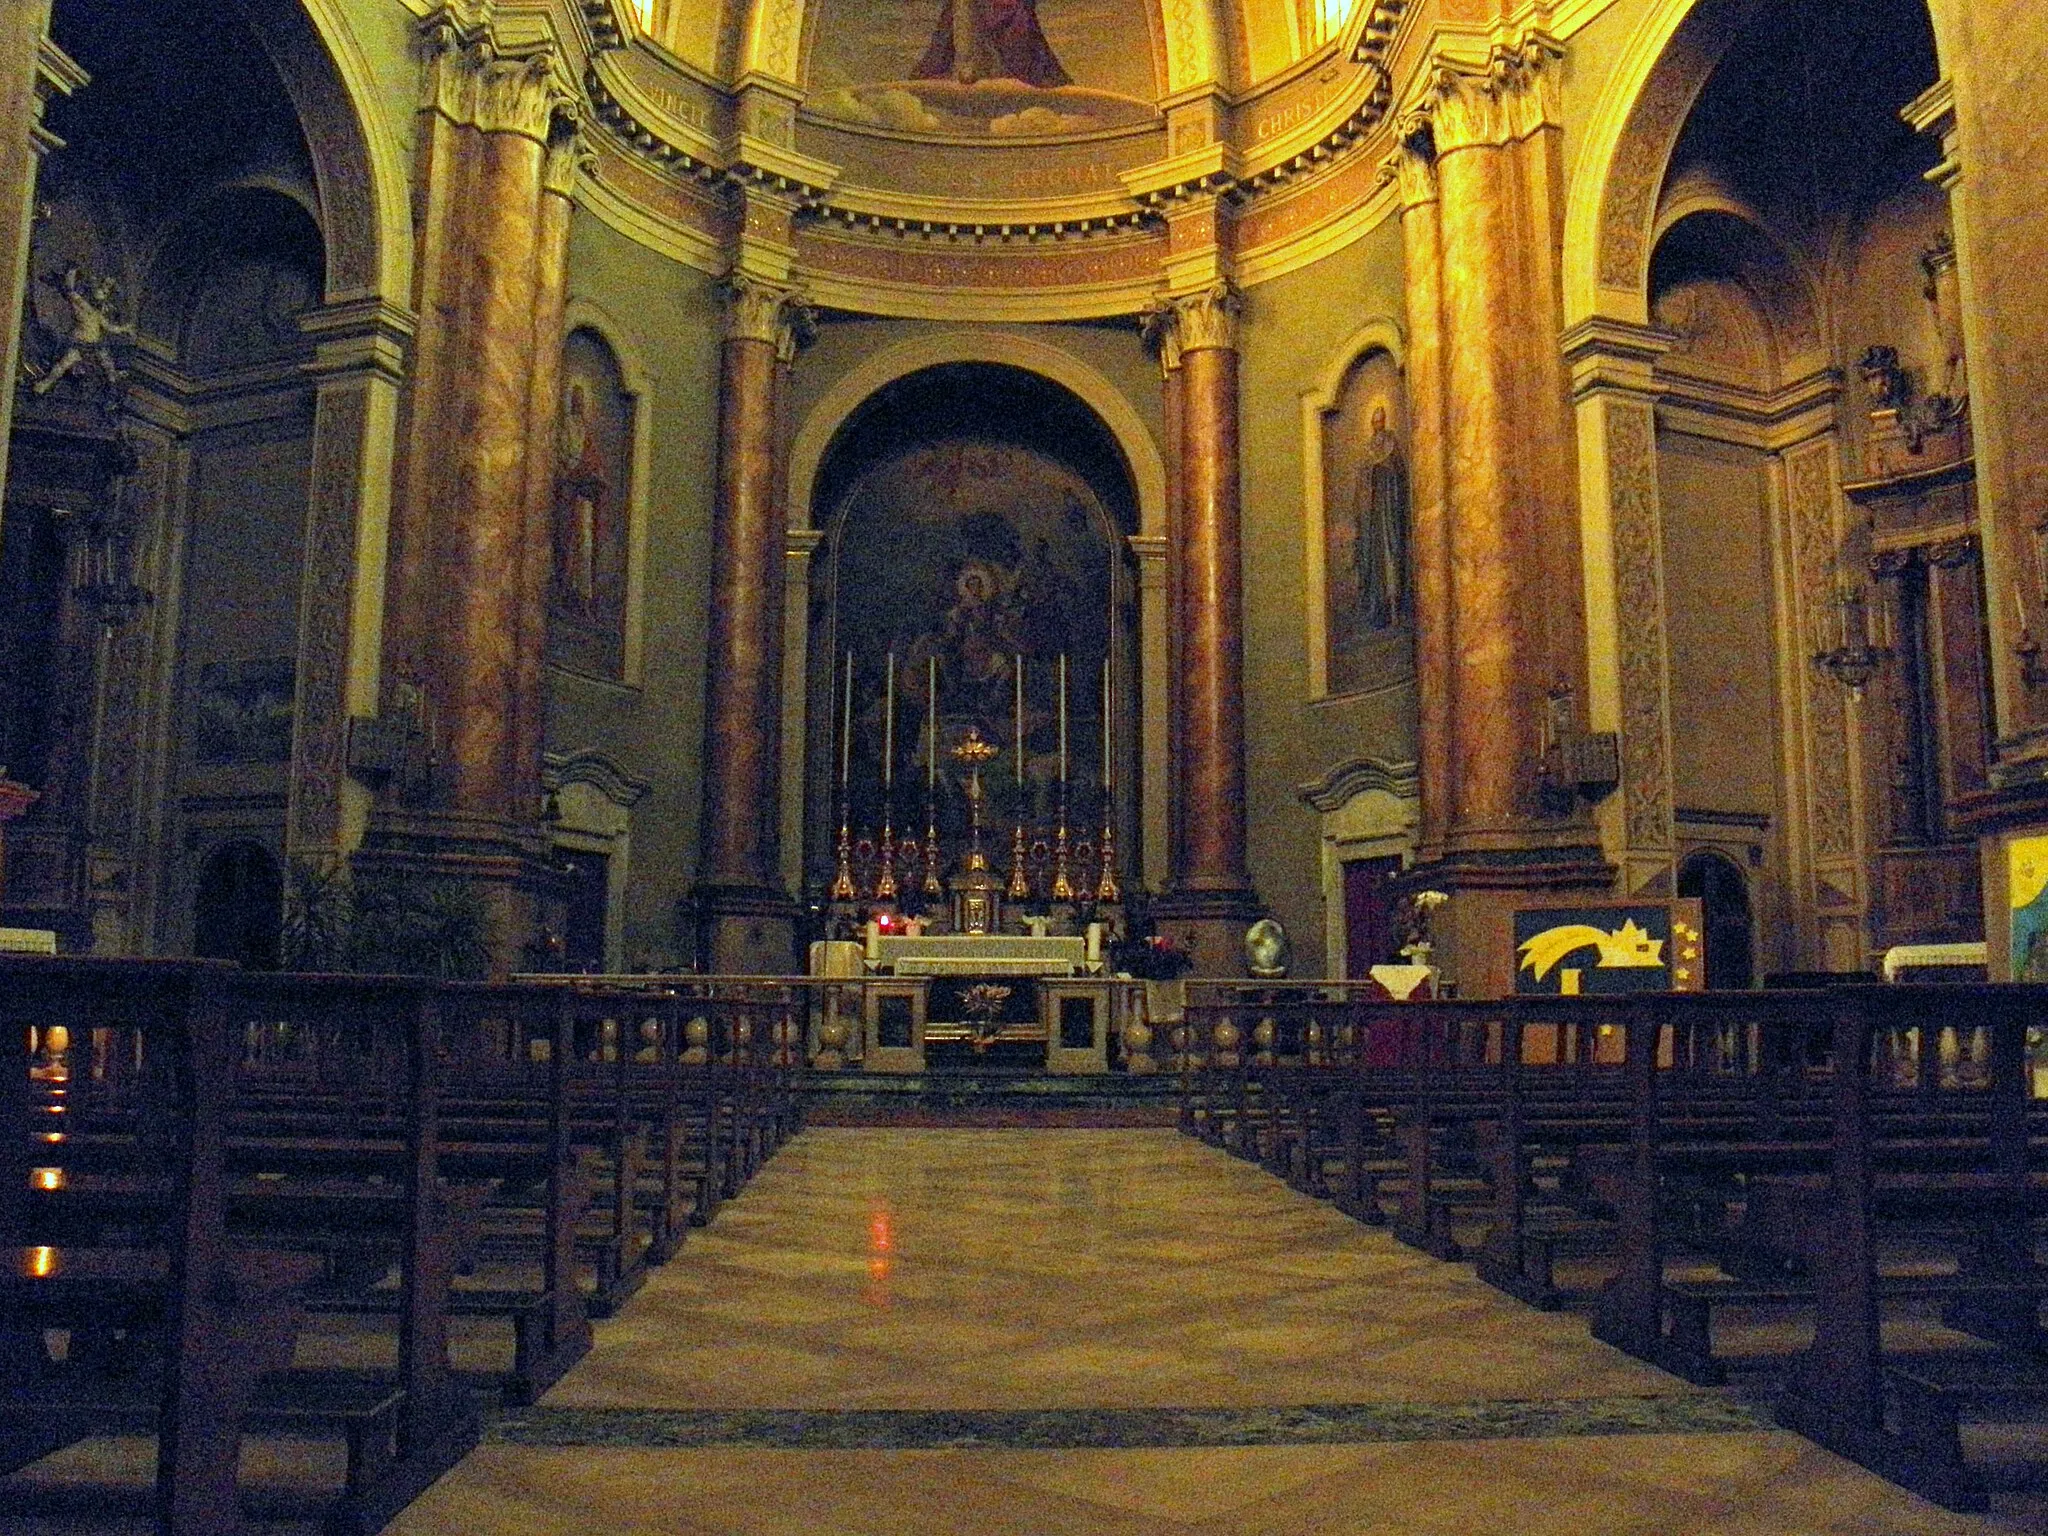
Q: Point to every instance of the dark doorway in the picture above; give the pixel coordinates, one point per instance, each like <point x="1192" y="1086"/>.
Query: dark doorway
<point x="1724" y="902"/>
<point x="589" y="881"/>
<point x="238" y="912"/>
<point x="1371" y="932"/>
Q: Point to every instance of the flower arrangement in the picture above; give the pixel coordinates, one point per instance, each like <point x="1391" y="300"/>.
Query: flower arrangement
<point x="1156" y="958"/>
<point x="1422" y="908"/>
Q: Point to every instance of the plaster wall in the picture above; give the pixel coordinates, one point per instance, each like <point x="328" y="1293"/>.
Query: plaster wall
<point x="669" y="317"/>
<point x="1293" y="330"/>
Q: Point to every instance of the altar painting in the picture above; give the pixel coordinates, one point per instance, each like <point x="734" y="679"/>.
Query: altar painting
<point x="971" y="554"/>
<point x="997" y="68"/>
<point x="592" y="512"/>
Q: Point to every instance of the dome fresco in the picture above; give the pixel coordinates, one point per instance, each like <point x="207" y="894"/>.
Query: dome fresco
<point x="1007" y="68"/>
<point x="860" y="45"/>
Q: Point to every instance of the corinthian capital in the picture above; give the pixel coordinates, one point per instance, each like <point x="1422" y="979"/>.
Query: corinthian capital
<point x="758" y="311"/>
<point x="476" y="77"/>
<point x="1411" y="168"/>
<point x="1207" y="321"/>
<point x="1160" y="327"/>
<point x="1506" y="96"/>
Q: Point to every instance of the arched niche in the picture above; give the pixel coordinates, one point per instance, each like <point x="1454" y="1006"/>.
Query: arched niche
<point x="232" y="279"/>
<point x="1348" y="654"/>
<point x="967" y="515"/>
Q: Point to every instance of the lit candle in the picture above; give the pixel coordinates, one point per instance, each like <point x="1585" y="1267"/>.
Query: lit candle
<point x="846" y="730"/>
<point x="1107" y="767"/>
<point x="1063" y="719"/>
<point x="889" y="727"/>
<point x="931" y="729"/>
<point x="1020" y="721"/>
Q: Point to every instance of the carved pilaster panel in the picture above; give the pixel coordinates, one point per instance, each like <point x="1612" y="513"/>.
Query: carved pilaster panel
<point x="1810" y="506"/>
<point x="1639" y="593"/>
<point x="326" y="600"/>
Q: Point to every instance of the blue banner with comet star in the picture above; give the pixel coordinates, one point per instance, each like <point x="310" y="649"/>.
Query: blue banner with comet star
<point x="1640" y="947"/>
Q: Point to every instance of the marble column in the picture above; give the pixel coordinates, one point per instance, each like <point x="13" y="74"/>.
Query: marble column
<point x="469" y="551"/>
<point x="1503" y="667"/>
<point x="745" y="913"/>
<point x="1211" y="893"/>
<point x="1414" y="171"/>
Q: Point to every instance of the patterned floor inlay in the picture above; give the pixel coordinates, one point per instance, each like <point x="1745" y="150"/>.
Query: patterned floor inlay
<point x="804" y="1429"/>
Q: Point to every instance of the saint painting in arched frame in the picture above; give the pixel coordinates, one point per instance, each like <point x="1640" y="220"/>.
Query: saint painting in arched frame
<point x="1361" y="505"/>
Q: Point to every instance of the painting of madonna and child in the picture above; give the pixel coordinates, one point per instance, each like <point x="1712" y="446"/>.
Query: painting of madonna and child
<point x="976" y="68"/>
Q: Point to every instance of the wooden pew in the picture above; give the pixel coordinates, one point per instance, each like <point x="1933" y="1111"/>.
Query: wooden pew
<point x="191" y="1337"/>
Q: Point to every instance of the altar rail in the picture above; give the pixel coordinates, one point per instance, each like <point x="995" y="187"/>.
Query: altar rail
<point x="1078" y="1025"/>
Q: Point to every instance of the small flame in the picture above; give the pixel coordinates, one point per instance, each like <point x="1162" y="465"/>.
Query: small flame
<point x="40" y="1263"/>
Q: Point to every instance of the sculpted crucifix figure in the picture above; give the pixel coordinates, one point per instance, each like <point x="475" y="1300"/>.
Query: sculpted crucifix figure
<point x="991" y="40"/>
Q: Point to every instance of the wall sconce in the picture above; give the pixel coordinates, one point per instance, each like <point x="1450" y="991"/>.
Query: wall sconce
<point x="1856" y="657"/>
<point x="103" y="583"/>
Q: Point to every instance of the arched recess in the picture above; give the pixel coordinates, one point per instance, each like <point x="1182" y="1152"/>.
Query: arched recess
<point x="365" y="199"/>
<point x="1318" y="401"/>
<point x="1140" y="449"/>
<point x="810" y="447"/>
<point x="641" y="381"/>
<point x="1632" y="381"/>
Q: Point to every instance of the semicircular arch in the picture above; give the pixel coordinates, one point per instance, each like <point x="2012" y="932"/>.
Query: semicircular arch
<point x="814" y="437"/>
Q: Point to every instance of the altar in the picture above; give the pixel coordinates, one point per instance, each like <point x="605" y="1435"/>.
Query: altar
<point x="921" y="993"/>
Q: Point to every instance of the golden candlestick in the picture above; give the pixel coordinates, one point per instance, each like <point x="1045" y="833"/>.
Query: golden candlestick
<point x="843" y="888"/>
<point x="1107" y="891"/>
<point x="1062" y="883"/>
<point x="885" y="877"/>
<point x="1020" y="878"/>
<point x="934" y="880"/>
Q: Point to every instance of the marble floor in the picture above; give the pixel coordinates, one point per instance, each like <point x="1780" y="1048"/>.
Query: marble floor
<point x="909" y="1331"/>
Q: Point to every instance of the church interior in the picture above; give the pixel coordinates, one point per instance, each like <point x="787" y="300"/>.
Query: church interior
<point x="1114" y="766"/>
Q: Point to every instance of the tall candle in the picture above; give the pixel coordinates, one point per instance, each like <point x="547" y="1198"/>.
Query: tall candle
<point x="1107" y="766"/>
<point x="2019" y="606"/>
<point x="889" y="727"/>
<point x="846" y="730"/>
<point x="1020" y="721"/>
<point x="1063" y="719"/>
<point x="931" y="728"/>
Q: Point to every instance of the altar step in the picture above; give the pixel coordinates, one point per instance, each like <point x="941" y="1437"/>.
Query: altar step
<point x="992" y="1097"/>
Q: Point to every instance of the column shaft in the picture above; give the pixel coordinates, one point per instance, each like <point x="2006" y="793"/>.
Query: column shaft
<point x="487" y="539"/>
<point x="741" y="806"/>
<point x="1435" y="617"/>
<point x="1211" y="626"/>
<point x="1495" y="670"/>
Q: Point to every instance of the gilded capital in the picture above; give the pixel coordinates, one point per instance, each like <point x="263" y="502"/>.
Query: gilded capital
<point x="1411" y="168"/>
<point x="1506" y="97"/>
<point x="1207" y="321"/>
<point x="1160" y="326"/>
<point x="568" y="155"/>
<point x="758" y="311"/>
<point x="475" y="77"/>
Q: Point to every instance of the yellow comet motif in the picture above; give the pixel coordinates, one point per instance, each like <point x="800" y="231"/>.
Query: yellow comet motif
<point x="1627" y="948"/>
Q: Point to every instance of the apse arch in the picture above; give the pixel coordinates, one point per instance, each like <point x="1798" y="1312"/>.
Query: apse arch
<point x="823" y="423"/>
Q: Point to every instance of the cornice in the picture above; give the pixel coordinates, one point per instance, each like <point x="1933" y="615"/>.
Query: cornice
<point x="1348" y="780"/>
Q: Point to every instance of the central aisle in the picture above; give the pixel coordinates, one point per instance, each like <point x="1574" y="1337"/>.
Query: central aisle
<point x="941" y="1331"/>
